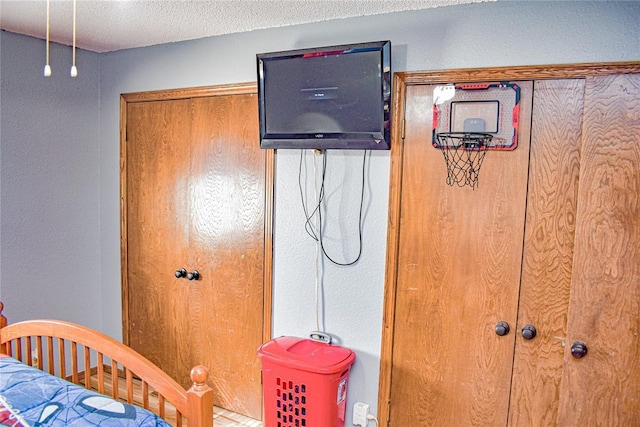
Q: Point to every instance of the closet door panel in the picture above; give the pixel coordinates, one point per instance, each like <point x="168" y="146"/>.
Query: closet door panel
<point x="227" y="200"/>
<point x="459" y="259"/>
<point x="158" y="136"/>
<point x="196" y="200"/>
<point x="603" y="387"/>
<point x="548" y="250"/>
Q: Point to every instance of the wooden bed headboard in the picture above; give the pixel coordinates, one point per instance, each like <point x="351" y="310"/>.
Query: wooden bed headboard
<point x="87" y="357"/>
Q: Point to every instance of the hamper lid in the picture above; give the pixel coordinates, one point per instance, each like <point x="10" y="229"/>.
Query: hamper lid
<point x="307" y="354"/>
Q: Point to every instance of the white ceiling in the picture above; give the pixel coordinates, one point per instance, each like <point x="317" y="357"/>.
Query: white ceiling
<point x="108" y="25"/>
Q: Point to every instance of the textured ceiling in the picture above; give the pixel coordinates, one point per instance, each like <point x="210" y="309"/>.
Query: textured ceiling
<point x="108" y="25"/>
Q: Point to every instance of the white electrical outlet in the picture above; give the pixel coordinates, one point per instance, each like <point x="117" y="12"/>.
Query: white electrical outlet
<point x="360" y="412"/>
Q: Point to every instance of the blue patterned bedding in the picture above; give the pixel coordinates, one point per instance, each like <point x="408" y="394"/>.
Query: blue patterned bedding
<point x="32" y="398"/>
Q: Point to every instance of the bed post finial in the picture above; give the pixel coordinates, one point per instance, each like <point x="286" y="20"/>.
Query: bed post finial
<point x="3" y="320"/>
<point x="200" y="398"/>
<point x="3" y="323"/>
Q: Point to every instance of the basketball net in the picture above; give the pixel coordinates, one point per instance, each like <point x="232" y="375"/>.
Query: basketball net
<point x="463" y="153"/>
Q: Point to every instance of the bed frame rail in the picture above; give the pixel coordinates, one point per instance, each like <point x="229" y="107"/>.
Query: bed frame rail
<point x="89" y="358"/>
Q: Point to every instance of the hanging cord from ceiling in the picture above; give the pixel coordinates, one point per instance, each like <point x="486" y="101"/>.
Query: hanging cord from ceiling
<point x="47" y="67"/>
<point x="315" y="232"/>
<point x="74" y="69"/>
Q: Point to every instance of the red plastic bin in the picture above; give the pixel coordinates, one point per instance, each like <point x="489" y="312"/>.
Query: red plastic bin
<point x="304" y="382"/>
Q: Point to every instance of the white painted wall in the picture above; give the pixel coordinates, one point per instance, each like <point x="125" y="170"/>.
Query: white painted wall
<point x="479" y="35"/>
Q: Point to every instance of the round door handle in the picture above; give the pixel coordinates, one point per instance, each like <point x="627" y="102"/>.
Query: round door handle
<point x="579" y="350"/>
<point x="502" y="328"/>
<point x="194" y="275"/>
<point x="181" y="273"/>
<point x="529" y="332"/>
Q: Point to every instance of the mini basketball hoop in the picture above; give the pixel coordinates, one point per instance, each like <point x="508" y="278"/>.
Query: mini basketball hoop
<point x="468" y="120"/>
<point x="463" y="152"/>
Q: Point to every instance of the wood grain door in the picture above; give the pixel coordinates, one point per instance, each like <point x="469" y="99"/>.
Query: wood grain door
<point x="548" y="250"/>
<point x="196" y="200"/>
<point x="603" y="387"/>
<point x="458" y="274"/>
<point x="158" y="135"/>
<point x="226" y="200"/>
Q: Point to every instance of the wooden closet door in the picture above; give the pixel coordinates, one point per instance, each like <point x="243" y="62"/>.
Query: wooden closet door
<point x="196" y="200"/>
<point x="603" y="387"/>
<point x="226" y="229"/>
<point x="458" y="274"/>
<point x="157" y="220"/>
<point x="548" y="251"/>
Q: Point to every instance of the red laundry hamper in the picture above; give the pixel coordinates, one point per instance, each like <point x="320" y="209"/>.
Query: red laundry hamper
<point x="305" y="381"/>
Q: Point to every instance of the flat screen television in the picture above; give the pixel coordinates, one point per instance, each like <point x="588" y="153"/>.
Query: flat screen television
<point x="334" y="97"/>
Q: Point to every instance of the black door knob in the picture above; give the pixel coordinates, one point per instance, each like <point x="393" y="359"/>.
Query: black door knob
<point x="181" y="273"/>
<point x="502" y="328"/>
<point x="194" y="275"/>
<point x="579" y="350"/>
<point x="529" y="332"/>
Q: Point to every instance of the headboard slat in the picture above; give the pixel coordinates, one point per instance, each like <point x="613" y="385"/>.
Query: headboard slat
<point x="39" y="352"/>
<point x="114" y="379"/>
<point x="101" y="373"/>
<point x="62" y="359"/>
<point x="74" y="363"/>
<point x="50" y="364"/>
<point x="87" y="367"/>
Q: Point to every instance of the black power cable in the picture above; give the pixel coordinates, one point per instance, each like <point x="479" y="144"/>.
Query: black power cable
<point x="308" y="226"/>
<point x="318" y="208"/>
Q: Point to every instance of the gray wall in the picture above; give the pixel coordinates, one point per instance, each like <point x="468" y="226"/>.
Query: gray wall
<point x="50" y="176"/>
<point x="479" y="35"/>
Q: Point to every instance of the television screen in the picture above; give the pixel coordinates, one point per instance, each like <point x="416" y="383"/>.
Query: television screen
<point x="335" y="97"/>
